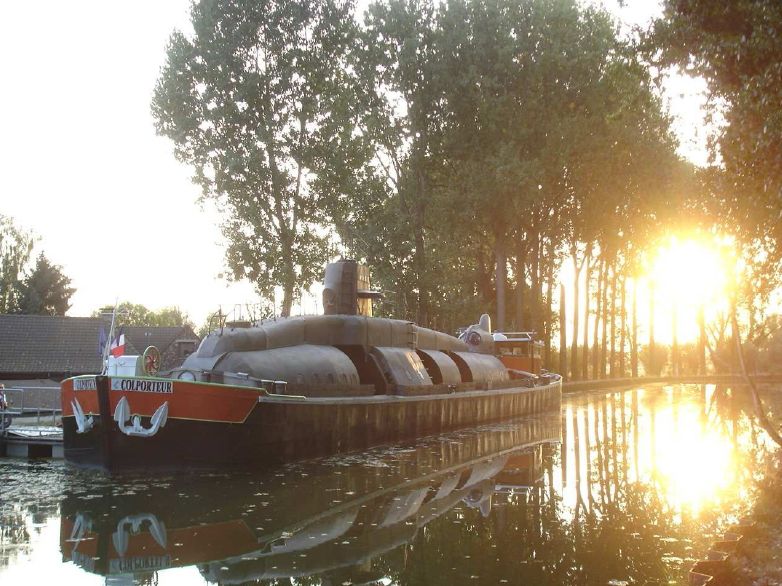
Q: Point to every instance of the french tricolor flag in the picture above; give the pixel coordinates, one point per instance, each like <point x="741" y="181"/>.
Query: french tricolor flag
<point x="117" y="347"/>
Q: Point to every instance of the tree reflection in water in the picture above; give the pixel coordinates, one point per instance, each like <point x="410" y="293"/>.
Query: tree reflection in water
<point x="642" y="484"/>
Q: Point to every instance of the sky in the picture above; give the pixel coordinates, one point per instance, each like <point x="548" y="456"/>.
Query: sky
<point x="82" y="167"/>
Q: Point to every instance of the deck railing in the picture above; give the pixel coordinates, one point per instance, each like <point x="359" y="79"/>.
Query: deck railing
<point x="26" y="402"/>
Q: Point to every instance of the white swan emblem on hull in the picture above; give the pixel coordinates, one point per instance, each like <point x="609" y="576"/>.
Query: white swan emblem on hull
<point x="122" y="414"/>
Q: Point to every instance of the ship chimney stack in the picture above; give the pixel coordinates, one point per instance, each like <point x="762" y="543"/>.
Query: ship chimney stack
<point x="346" y="289"/>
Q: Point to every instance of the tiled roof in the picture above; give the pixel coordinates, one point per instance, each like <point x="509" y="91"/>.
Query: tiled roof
<point x="43" y="344"/>
<point x="37" y="344"/>
<point x="137" y="338"/>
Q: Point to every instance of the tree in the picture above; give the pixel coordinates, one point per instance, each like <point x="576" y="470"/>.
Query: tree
<point x="252" y="102"/>
<point x="46" y="291"/>
<point x="737" y="48"/>
<point x="398" y="67"/>
<point x="16" y="246"/>
<point x="135" y="314"/>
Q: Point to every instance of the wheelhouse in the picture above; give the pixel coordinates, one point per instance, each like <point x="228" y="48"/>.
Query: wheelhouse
<point x="519" y="351"/>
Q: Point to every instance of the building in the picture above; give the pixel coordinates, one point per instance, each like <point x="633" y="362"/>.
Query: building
<point x="56" y="347"/>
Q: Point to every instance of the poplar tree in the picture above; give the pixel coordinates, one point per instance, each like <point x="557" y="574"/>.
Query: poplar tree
<point x="252" y="101"/>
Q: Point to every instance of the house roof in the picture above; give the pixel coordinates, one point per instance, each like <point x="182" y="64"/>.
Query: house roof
<point x="137" y="338"/>
<point x="37" y="344"/>
<point x="42" y="343"/>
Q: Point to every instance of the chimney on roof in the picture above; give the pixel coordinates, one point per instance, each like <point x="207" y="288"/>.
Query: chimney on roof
<point x="106" y="313"/>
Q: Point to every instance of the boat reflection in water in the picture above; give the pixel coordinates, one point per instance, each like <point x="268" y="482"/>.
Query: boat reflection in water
<point x="313" y="518"/>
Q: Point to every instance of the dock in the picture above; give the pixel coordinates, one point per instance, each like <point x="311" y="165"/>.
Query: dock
<point x="31" y="426"/>
<point x="30" y="441"/>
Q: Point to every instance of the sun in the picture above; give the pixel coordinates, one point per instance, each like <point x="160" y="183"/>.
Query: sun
<point x="689" y="274"/>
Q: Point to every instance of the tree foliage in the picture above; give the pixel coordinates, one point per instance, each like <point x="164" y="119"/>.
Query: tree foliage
<point x="253" y="101"/>
<point x="737" y="48"/>
<point x="505" y="135"/>
<point x="46" y="290"/>
<point x="135" y="314"/>
<point x="16" y="246"/>
<point x="465" y="150"/>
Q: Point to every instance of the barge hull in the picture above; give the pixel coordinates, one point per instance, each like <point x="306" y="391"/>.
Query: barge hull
<point x="282" y="428"/>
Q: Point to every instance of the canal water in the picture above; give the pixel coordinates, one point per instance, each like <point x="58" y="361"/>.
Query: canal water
<point x="620" y="488"/>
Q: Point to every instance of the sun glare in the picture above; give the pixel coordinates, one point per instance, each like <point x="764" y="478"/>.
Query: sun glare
<point x="688" y="275"/>
<point x="694" y="459"/>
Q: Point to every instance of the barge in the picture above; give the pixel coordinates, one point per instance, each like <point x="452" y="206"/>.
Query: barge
<point x="300" y="387"/>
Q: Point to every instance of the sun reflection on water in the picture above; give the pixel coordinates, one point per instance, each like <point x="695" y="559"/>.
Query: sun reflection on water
<point x="694" y="460"/>
<point x="668" y="439"/>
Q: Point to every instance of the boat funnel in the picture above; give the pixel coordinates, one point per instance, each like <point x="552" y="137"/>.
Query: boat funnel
<point x="346" y="289"/>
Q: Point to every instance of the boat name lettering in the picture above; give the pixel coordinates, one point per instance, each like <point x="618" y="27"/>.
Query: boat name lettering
<point x="136" y="564"/>
<point x="84" y="384"/>
<point x="140" y="385"/>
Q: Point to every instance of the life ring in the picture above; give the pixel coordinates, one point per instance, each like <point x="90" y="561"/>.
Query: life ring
<point x="150" y="361"/>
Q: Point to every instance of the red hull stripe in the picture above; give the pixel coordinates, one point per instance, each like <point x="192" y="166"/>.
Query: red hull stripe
<point x="187" y="545"/>
<point x="88" y="398"/>
<point x="186" y="400"/>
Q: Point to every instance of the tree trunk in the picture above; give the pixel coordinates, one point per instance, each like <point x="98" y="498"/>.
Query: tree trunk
<point x="585" y="343"/>
<point x="613" y="322"/>
<point x="634" y="349"/>
<point x="549" y="312"/>
<point x="287" y="300"/>
<point x="288" y="275"/>
<point x="562" y="333"/>
<point x="500" y="279"/>
<point x="521" y="260"/>
<point x="701" y="341"/>
<point x="420" y="261"/>
<point x="539" y="326"/>
<point x="485" y="277"/>
<point x="604" y="342"/>
<point x="574" y="349"/>
<point x="623" y="326"/>
<point x="534" y="301"/>
<point x="675" y="341"/>
<point x="598" y="310"/>
<point x="651" y="331"/>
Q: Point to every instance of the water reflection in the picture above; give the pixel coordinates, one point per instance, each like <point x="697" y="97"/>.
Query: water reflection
<point x="640" y="483"/>
<point x="326" y="517"/>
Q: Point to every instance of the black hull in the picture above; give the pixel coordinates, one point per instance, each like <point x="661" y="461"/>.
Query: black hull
<point x="281" y="430"/>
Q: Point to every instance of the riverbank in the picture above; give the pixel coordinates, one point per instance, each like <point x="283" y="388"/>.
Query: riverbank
<point x="759" y="560"/>
<point x="575" y="386"/>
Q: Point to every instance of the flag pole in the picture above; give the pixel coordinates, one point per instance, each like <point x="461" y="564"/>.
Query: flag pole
<point x="107" y="347"/>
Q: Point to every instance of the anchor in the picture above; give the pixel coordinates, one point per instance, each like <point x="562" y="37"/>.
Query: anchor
<point x="83" y="424"/>
<point x="122" y="414"/>
<point x="121" y="536"/>
<point x="81" y="526"/>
